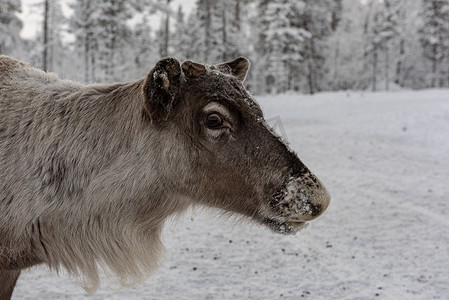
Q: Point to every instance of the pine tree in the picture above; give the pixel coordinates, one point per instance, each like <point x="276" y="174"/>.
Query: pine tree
<point x="47" y="48"/>
<point x="375" y="47"/>
<point x="164" y="32"/>
<point x="228" y="28"/>
<point x="181" y="43"/>
<point x="111" y="33"/>
<point x="434" y="36"/>
<point x="336" y="14"/>
<point x="204" y="11"/>
<point x="212" y="32"/>
<point x="55" y="47"/>
<point x="219" y="31"/>
<point x="381" y="29"/>
<point x="288" y="38"/>
<point x="10" y="25"/>
<point x="390" y="31"/>
<point x="82" y="25"/>
<point x="317" y="19"/>
<point x="192" y="38"/>
<point x="46" y="34"/>
<point x="344" y="55"/>
<point x="410" y="68"/>
<point x="398" y="79"/>
<point x="161" y="38"/>
<point x="282" y="43"/>
<point x="142" y="49"/>
<point x="292" y="41"/>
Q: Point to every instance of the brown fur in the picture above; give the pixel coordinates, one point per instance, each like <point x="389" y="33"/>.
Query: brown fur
<point x="90" y="173"/>
<point x="8" y="280"/>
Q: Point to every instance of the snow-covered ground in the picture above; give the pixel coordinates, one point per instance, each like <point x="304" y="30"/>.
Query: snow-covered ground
<point x="384" y="157"/>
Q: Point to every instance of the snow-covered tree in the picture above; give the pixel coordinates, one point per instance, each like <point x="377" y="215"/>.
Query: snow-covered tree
<point x="181" y="36"/>
<point x="10" y="25"/>
<point x="336" y="14"/>
<point x="390" y="29"/>
<point x="46" y="35"/>
<point x="300" y="45"/>
<point x="381" y="27"/>
<point x="191" y="38"/>
<point x="434" y="36"/>
<point x="281" y="44"/>
<point x="47" y="50"/>
<point x="82" y="25"/>
<point x="166" y="31"/>
<point x="316" y="19"/>
<point x="410" y="68"/>
<point x="292" y="38"/>
<point x="143" y="47"/>
<point x="344" y="56"/>
<point x="213" y="31"/>
<point x="112" y="32"/>
<point x="56" y="50"/>
<point x="204" y="11"/>
<point x="228" y="28"/>
<point x="286" y="41"/>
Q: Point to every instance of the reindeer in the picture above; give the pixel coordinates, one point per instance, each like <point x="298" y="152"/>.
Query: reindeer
<point x="89" y="173"/>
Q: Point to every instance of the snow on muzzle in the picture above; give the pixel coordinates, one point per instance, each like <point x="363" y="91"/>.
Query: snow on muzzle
<point x="301" y="200"/>
<point x="306" y="198"/>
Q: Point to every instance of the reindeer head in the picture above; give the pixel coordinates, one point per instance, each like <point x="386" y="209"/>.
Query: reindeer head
<point x="220" y="150"/>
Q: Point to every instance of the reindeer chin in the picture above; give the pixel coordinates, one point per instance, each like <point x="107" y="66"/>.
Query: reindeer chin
<point x="285" y="227"/>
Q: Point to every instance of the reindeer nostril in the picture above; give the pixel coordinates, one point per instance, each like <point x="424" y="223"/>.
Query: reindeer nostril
<point x="316" y="210"/>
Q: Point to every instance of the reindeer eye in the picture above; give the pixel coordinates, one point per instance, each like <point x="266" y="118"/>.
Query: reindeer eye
<point x="214" y="121"/>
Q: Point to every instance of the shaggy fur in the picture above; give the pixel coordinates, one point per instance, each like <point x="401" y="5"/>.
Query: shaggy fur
<point x="68" y="169"/>
<point x="90" y="173"/>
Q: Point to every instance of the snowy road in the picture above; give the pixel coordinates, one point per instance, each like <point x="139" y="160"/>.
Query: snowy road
<point x="384" y="158"/>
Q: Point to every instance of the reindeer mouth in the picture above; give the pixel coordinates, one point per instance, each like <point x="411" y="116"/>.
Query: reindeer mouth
<point x="285" y="227"/>
<point x="299" y="201"/>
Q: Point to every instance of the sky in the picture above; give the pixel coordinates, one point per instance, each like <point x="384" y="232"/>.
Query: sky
<point x="32" y="14"/>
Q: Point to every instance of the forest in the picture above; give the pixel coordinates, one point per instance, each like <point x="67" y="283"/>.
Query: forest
<point x="304" y="46"/>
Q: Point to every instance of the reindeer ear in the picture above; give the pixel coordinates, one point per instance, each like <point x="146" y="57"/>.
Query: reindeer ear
<point x="161" y="87"/>
<point x="192" y="69"/>
<point x="238" y="67"/>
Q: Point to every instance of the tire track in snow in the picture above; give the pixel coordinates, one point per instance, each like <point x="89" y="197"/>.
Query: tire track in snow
<point x="402" y="204"/>
<point x="399" y="201"/>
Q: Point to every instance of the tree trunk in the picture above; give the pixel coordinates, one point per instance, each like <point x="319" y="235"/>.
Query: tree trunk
<point x="166" y="33"/>
<point x="237" y="15"/>
<point x="45" y="53"/>
<point x="374" y="75"/>
<point x="387" y="67"/>
<point x="112" y="64"/>
<point x="336" y="64"/>
<point x="207" y="29"/>
<point x="399" y="63"/>
<point x="366" y="27"/>
<point x="312" y="76"/>
<point x="434" y="65"/>
<point x="224" y="35"/>
<point x="93" y="74"/>
<point x="86" y="59"/>
<point x="292" y="76"/>
<point x="336" y="14"/>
